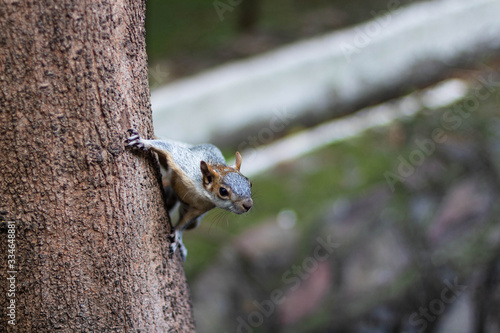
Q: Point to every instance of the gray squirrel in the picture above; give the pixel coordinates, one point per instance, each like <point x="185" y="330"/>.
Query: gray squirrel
<point x="198" y="178"/>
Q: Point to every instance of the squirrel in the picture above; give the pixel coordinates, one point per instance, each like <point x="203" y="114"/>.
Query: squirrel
<point x="197" y="177"/>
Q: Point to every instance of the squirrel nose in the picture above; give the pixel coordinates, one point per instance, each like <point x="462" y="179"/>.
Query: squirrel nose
<point x="247" y="204"/>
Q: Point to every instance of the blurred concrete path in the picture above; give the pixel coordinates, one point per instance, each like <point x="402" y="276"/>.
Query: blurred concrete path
<point x="333" y="73"/>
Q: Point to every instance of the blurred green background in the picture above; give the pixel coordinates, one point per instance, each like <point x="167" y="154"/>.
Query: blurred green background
<point x="400" y="248"/>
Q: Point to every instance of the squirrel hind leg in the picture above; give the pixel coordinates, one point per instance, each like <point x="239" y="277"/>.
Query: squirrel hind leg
<point x="176" y="238"/>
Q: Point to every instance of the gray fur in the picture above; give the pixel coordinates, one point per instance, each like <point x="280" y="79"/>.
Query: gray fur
<point x="239" y="184"/>
<point x="189" y="157"/>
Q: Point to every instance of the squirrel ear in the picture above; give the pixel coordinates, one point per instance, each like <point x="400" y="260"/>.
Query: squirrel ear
<point x="206" y="171"/>
<point x="238" y="161"/>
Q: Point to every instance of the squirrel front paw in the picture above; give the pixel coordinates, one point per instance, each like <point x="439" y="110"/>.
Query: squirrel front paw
<point x="176" y="239"/>
<point x="135" y="140"/>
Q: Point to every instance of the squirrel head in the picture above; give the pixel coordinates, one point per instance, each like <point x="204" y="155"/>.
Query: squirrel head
<point x="228" y="188"/>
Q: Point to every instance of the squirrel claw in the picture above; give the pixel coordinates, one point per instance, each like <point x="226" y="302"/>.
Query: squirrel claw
<point x="171" y="250"/>
<point x="176" y="239"/>
<point x="134" y="139"/>
<point x="182" y="249"/>
<point x="132" y="131"/>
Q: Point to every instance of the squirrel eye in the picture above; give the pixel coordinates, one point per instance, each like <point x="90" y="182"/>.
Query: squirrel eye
<point x="223" y="192"/>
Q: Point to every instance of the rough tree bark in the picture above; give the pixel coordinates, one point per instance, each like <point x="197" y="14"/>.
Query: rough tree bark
<point x="87" y="214"/>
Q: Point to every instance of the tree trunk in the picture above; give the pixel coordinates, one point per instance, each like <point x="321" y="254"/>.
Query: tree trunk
<point x="83" y="218"/>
